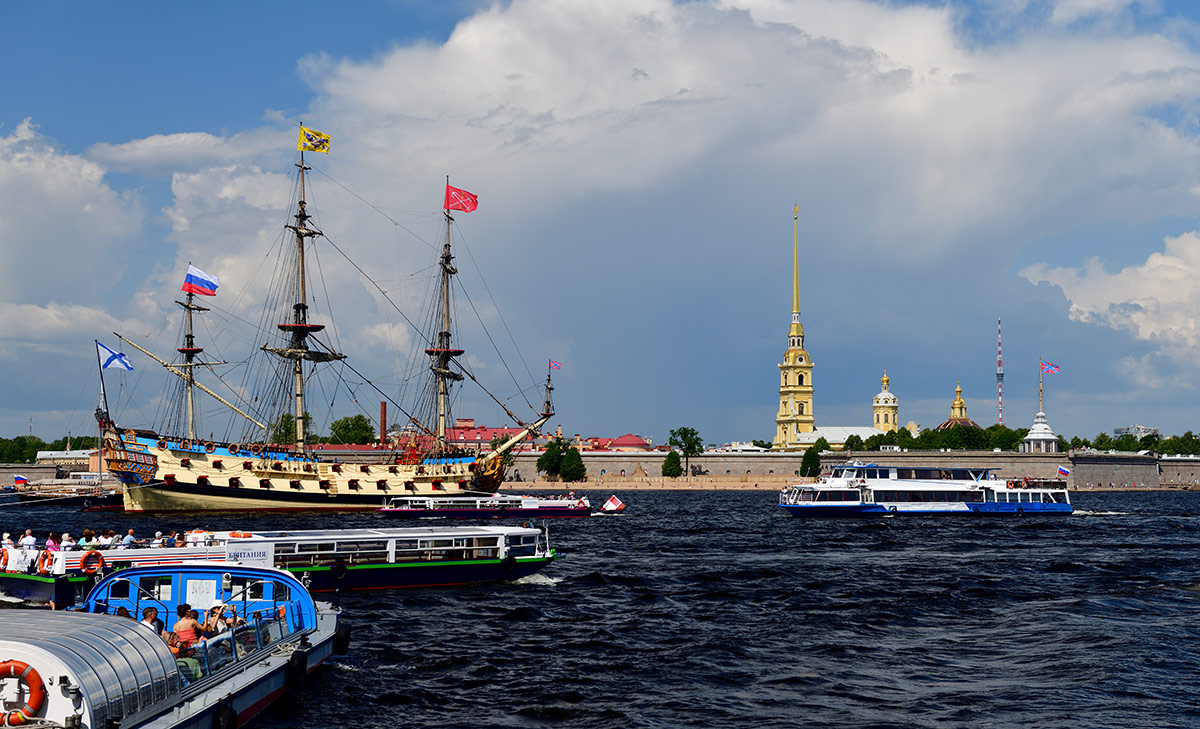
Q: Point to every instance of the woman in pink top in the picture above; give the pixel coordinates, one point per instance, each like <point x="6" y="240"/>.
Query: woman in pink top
<point x="187" y="628"/>
<point x="52" y="542"/>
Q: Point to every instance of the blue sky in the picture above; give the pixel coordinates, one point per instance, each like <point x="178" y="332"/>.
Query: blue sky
<point x="636" y="163"/>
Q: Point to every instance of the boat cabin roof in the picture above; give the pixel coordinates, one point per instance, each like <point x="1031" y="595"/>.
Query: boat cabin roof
<point x="325" y="535"/>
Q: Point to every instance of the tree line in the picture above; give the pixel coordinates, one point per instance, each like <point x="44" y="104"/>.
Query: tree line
<point x="24" y="448"/>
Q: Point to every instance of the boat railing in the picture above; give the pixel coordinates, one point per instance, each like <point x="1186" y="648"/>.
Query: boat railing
<point x="264" y="630"/>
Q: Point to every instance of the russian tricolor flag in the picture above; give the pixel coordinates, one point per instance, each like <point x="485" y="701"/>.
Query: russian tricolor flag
<point x="20" y="480"/>
<point x="1064" y="471"/>
<point x="199" y="282"/>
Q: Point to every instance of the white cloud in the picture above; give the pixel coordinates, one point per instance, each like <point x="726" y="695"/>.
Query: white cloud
<point x="167" y="153"/>
<point x="1070" y="11"/>
<point x="62" y="225"/>
<point x="1156" y="301"/>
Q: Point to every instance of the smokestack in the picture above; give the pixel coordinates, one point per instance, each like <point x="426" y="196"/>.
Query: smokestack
<point x="383" y="423"/>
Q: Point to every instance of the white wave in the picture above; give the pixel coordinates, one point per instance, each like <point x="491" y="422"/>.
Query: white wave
<point x="1085" y="512"/>
<point x="538" y="579"/>
<point x="9" y="598"/>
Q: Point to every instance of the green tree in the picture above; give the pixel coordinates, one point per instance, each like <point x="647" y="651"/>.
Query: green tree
<point x="283" y="430"/>
<point x="763" y="444"/>
<point x="1102" y="442"/>
<point x="508" y="458"/>
<point x="550" y="462"/>
<point x="810" y="465"/>
<point x="671" y="467"/>
<point x="1149" y="443"/>
<point x="355" y="429"/>
<point x="1126" y="443"/>
<point x="688" y="441"/>
<point x="572" y="468"/>
<point x="853" y="443"/>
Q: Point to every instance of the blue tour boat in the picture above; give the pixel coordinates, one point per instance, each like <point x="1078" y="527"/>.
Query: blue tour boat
<point x="93" y="668"/>
<point x="865" y="489"/>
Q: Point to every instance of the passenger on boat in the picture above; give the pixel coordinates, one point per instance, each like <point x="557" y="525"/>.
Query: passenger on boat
<point x="105" y="540"/>
<point x="28" y="541"/>
<point x="67" y="544"/>
<point x="129" y="541"/>
<point x="151" y="621"/>
<point x="7" y="541"/>
<point x="158" y="540"/>
<point x="220" y="619"/>
<point x="123" y="612"/>
<point x="187" y="628"/>
<point x="87" y="539"/>
<point x="169" y="541"/>
<point x="52" y="542"/>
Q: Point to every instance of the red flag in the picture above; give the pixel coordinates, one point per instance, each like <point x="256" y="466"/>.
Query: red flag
<point x="457" y="199"/>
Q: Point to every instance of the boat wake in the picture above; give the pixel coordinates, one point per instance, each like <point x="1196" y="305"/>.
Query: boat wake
<point x="9" y="598"/>
<point x="1084" y="512"/>
<point x="538" y="579"/>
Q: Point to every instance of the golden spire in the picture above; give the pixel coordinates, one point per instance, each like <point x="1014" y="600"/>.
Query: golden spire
<point x="796" y="331"/>
<point x="796" y="260"/>
<point x="883" y="381"/>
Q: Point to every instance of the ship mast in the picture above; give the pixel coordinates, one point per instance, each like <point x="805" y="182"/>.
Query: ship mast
<point x="189" y="350"/>
<point x="298" y="328"/>
<point x="440" y="350"/>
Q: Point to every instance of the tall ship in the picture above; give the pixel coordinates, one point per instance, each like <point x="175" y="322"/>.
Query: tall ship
<point x="269" y="461"/>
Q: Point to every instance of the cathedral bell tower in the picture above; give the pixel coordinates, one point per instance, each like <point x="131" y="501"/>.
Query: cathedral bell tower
<point x="886" y="407"/>
<point x="795" y="414"/>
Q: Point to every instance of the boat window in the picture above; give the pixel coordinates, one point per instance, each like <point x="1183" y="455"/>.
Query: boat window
<point x="406" y="544"/>
<point x="320" y="547"/>
<point x="904" y="473"/>
<point x="487" y="541"/>
<point x="155" y="588"/>
<point x="119" y="589"/>
<point x="436" y="543"/>
<point x="285" y="548"/>
<point x="372" y="546"/>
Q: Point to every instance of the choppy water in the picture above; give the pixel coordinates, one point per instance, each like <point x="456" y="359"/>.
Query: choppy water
<point x="714" y="609"/>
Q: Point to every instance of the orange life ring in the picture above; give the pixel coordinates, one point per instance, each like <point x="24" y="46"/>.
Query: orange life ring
<point x="29" y="676"/>
<point x="91" y="569"/>
<point x="162" y="444"/>
<point x="44" y="562"/>
<point x="3" y="559"/>
<point x="256" y="449"/>
<point x="234" y="449"/>
<point x="240" y="535"/>
<point x="185" y="445"/>
<point x="210" y="447"/>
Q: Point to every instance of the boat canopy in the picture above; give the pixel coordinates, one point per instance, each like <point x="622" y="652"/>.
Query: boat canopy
<point x="119" y="666"/>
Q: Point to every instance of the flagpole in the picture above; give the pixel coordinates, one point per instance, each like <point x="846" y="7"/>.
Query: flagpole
<point x="1041" y="374"/>
<point x="100" y="367"/>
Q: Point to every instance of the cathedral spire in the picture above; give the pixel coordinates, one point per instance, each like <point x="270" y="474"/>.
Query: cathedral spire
<point x="796" y="330"/>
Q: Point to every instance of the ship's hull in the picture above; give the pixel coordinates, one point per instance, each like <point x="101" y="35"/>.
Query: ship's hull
<point x="172" y="475"/>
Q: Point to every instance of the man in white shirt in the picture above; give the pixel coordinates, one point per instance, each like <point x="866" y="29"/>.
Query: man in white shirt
<point x="28" y="541"/>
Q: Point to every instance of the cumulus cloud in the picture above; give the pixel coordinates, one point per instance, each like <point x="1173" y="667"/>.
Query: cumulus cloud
<point x="1155" y="301"/>
<point x="57" y="213"/>
<point x="169" y="153"/>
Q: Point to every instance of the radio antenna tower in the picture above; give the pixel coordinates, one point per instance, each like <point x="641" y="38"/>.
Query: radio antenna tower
<point x="999" y="377"/>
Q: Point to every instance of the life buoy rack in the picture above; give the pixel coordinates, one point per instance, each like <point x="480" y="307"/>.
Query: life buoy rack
<point x="29" y="676"/>
<point x="90" y="566"/>
<point x="210" y="447"/>
<point x="45" y="561"/>
<point x="234" y="449"/>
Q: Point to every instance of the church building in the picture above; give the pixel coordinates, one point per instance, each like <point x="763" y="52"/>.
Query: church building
<point x="795" y="422"/>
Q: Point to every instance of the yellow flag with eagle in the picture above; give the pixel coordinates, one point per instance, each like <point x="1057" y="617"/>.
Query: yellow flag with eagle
<point x="313" y="141"/>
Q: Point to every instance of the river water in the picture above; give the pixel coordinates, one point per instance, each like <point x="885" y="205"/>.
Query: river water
<point x="716" y="609"/>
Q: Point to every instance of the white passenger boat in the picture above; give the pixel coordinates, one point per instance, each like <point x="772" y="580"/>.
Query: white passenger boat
<point x="865" y="489"/>
<point x="514" y="506"/>
<point x="90" y="669"/>
<point x="325" y="559"/>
